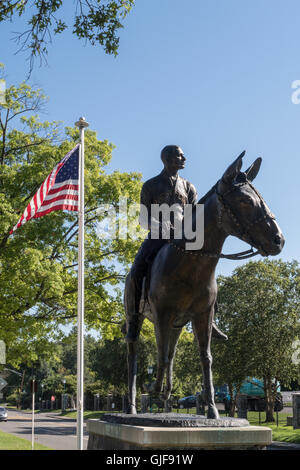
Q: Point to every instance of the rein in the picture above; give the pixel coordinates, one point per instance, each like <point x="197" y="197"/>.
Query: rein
<point x="242" y="232"/>
<point x="206" y="254"/>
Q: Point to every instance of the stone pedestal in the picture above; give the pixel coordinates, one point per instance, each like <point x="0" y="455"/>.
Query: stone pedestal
<point x="172" y="431"/>
<point x="145" y="402"/>
<point x="242" y="406"/>
<point x="124" y="403"/>
<point x="109" y="403"/>
<point x="96" y="402"/>
<point x="296" y="410"/>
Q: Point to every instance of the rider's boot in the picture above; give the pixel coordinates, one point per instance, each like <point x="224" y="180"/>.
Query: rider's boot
<point x="217" y="333"/>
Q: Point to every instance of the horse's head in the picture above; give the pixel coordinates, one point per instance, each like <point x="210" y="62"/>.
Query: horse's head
<point x="243" y="212"/>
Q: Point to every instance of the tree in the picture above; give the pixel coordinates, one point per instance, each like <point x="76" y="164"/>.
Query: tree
<point x="96" y="21"/>
<point x="110" y="363"/>
<point x="187" y="376"/>
<point x="38" y="264"/>
<point x="259" y="309"/>
<point x="232" y="360"/>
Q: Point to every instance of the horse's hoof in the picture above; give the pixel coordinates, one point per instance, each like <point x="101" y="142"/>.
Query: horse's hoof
<point x="212" y="412"/>
<point x="131" y="410"/>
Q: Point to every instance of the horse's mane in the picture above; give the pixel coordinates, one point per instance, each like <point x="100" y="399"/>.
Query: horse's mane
<point x="207" y="195"/>
<point x="201" y="201"/>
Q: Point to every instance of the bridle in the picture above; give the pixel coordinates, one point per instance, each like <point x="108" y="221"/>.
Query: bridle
<point x="241" y="229"/>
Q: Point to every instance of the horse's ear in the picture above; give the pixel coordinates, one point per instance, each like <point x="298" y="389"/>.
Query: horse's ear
<point x="252" y="171"/>
<point x="234" y="169"/>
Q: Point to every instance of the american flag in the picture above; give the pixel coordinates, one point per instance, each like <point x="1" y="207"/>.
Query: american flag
<point x="59" y="191"/>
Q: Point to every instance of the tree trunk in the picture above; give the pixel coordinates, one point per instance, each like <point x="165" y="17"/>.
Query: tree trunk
<point x="232" y="401"/>
<point x="269" y="399"/>
<point x="19" y="399"/>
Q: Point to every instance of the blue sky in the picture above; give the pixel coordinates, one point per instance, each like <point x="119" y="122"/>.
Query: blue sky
<point x="211" y="76"/>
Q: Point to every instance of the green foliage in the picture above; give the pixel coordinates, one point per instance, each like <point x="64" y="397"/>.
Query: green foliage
<point x="38" y="264"/>
<point x="12" y="398"/>
<point x="187" y="377"/>
<point x="259" y="310"/>
<point x="105" y="369"/>
<point x="96" y="21"/>
<point x="110" y="363"/>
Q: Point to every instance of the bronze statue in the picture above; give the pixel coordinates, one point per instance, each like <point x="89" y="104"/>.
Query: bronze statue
<point x="169" y="188"/>
<point x="183" y="287"/>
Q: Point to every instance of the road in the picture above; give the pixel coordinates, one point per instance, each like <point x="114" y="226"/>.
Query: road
<point x="58" y="433"/>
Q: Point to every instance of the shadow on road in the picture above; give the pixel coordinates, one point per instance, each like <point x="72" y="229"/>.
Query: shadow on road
<point x="61" y="431"/>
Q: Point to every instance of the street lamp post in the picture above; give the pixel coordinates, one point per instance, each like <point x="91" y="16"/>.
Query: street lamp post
<point x="42" y="387"/>
<point x="64" y="396"/>
<point x="150" y="372"/>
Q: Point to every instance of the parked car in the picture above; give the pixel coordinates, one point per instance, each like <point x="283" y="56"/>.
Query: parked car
<point x="188" y="402"/>
<point x="3" y="414"/>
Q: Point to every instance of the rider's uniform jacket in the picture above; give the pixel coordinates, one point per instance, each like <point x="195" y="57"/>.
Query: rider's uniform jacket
<point x="163" y="189"/>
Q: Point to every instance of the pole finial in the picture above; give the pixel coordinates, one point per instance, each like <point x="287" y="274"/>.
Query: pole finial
<point x="81" y="123"/>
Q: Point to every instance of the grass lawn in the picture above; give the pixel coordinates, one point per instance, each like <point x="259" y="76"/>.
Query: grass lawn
<point x="282" y="432"/>
<point x="97" y="414"/>
<point x="11" y="442"/>
<point x="86" y="414"/>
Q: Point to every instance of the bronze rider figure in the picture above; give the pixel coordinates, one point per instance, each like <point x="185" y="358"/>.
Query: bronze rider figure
<point x="166" y="188"/>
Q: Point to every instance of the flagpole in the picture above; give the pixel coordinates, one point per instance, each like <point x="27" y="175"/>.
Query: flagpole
<point x="81" y="124"/>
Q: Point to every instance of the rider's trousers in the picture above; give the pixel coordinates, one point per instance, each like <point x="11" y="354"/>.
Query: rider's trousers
<point x="146" y="254"/>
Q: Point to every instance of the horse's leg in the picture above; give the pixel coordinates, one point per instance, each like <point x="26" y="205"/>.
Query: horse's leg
<point x="174" y="336"/>
<point x="202" y="326"/>
<point x="132" y="371"/>
<point x="162" y="333"/>
<point x="129" y="303"/>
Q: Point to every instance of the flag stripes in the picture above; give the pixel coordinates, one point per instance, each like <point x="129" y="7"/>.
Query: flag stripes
<point x="59" y="191"/>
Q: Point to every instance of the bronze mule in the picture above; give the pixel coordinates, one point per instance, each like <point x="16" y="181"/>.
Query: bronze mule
<point x="183" y="286"/>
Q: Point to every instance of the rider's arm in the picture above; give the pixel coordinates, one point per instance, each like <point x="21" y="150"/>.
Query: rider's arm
<point x="192" y="194"/>
<point x="145" y="212"/>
